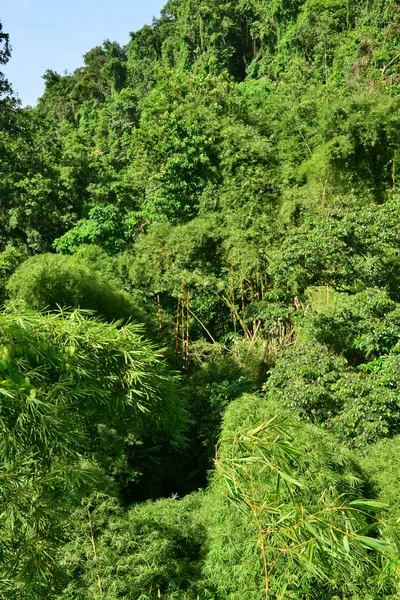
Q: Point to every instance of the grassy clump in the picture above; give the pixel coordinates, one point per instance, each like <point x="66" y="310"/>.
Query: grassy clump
<point x="286" y="515"/>
<point x="52" y="280"/>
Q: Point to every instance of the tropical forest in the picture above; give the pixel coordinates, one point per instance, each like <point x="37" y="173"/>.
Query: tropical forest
<point x="200" y="310"/>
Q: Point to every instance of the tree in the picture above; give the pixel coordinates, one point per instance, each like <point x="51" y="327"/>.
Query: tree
<point x="5" y="53"/>
<point x="151" y="550"/>
<point x="277" y="529"/>
<point x="48" y="281"/>
<point x="79" y="399"/>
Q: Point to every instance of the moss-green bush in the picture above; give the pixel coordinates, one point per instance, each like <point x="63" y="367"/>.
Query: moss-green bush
<point x="154" y="550"/>
<point x="50" y="280"/>
<point x="361" y="405"/>
<point x="84" y="406"/>
<point x="382" y="463"/>
<point x="283" y="512"/>
<point x="304" y="379"/>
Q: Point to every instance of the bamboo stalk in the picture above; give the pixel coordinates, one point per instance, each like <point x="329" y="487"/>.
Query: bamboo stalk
<point x="238" y="317"/>
<point x="257" y="285"/>
<point x="393" y="177"/>
<point x="93" y="542"/>
<point x="183" y="319"/>
<point x="242" y="289"/>
<point x="203" y="326"/>
<point x="233" y="291"/>
<point x="177" y="333"/>
<point x="160" y="319"/>
<point x="187" y="326"/>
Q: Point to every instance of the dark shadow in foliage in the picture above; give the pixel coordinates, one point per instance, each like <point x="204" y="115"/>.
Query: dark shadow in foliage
<point x="208" y="392"/>
<point x="179" y="472"/>
<point x="166" y="471"/>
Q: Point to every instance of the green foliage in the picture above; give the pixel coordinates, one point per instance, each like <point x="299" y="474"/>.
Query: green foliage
<point x="230" y="179"/>
<point x="343" y="373"/>
<point x="188" y="259"/>
<point x="371" y="407"/>
<point x="151" y="551"/>
<point x="381" y="462"/>
<point x="103" y="73"/>
<point x="10" y="258"/>
<point x="173" y="152"/>
<point x="304" y="378"/>
<point x="105" y="227"/>
<point x="43" y="182"/>
<point x="79" y="398"/>
<point x="167" y="255"/>
<point x="363" y="327"/>
<point x="5" y="52"/>
<point x="50" y="280"/>
<point x="285" y="512"/>
<point x="348" y="247"/>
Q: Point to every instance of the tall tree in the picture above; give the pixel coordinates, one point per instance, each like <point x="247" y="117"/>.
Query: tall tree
<point x="5" y="52"/>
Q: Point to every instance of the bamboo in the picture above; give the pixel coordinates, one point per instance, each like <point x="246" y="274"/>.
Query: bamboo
<point x="93" y="542"/>
<point x="257" y="286"/>
<point x="393" y="177"/>
<point x="183" y="319"/>
<point x="238" y="317"/>
<point x="160" y="319"/>
<point x="203" y="326"/>
<point x="262" y="288"/>
<point x="233" y="292"/>
<point x="177" y="333"/>
<point x="187" y="327"/>
<point x="242" y="289"/>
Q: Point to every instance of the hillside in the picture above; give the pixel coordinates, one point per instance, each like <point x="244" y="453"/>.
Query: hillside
<point x="200" y="335"/>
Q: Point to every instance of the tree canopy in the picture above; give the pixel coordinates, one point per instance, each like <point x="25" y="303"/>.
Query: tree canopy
<point x="200" y="310"/>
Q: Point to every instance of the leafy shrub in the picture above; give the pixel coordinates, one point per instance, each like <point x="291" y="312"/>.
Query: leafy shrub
<point x="153" y="550"/>
<point x="285" y="515"/>
<point x="10" y="258"/>
<point x="106" y="226"/>
<point x="304" y="378"/>
<point x="370" y="402"/>
<point x="363" y="327"/>
<point x="49" y="281"/>
<point x="350" y="247"/>
<point x="360" y="405"/>
<point x="79" y="400"/>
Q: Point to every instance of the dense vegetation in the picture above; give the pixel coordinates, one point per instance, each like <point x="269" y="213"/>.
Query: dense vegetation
<point x="200" y="332"/>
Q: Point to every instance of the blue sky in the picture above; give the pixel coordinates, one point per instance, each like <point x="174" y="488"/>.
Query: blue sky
<point x="54" y="34"/>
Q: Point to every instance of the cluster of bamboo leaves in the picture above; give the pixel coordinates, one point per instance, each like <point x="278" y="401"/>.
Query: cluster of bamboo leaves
<point x="77" y="397"/>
